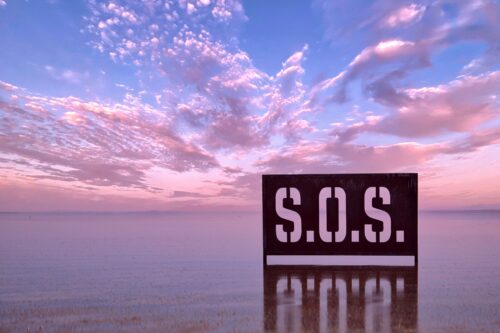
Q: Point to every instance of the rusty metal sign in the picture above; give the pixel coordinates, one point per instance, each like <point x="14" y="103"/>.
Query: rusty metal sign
<point x="340" y="214"/>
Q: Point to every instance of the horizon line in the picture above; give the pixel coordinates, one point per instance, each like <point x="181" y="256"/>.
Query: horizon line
<point x="444" y="210"/>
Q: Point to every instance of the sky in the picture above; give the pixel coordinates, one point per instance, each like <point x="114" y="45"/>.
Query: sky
<point x="182" y="105"/>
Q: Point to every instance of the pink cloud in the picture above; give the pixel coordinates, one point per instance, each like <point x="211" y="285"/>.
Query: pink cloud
<point x="73" y="118"/>
<point x="407" y="55"/>
<point x="7" y="86"/>
<point x="289" y="77"/>
<point x="458" y="106"/>
<point x="95" y="143"/>
<point x="404" y="15"/>
<point x="309" y="157"/>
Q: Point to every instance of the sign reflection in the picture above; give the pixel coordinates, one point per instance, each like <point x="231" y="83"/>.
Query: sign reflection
<point x="318" y="299"/>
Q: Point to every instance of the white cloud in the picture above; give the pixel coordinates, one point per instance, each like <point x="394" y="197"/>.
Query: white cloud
<point x="73" y="118"/>
<point x="67" y="75"/>
<point x="190" y="8"/>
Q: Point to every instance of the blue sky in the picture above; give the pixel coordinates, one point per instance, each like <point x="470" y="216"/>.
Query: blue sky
<point x="161" y="103"/>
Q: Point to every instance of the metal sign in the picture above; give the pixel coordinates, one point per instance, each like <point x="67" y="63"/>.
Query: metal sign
<point x="340" y="214"/>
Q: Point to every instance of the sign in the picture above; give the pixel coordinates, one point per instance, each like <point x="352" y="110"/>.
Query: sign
<point x="340" y="214"/>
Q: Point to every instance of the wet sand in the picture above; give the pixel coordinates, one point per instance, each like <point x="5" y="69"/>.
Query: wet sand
<point x="203" y="272"/>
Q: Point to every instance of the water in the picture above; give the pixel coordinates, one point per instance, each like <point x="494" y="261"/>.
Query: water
<point x="203" y="272"/>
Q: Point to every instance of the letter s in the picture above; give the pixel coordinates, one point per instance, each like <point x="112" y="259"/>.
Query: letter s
<point x="377" y="214"/>
<point x="288" y="214"/>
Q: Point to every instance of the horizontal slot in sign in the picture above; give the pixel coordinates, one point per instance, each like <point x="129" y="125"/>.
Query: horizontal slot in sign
<point x="340" y="214"/>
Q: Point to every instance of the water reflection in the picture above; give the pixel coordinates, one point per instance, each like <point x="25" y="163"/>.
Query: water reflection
<point x="318" y="299"/>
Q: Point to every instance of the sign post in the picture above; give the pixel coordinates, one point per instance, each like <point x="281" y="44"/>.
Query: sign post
<point x="340" y="214"/>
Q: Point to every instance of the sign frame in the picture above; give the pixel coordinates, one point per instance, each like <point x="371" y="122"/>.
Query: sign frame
<point x="403" y="212"/>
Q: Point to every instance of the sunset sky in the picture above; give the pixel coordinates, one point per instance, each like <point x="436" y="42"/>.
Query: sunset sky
<point x="183" y="105"/>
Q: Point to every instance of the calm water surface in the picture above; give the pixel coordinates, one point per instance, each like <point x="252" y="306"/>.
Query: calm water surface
<point x="203" y="272"/>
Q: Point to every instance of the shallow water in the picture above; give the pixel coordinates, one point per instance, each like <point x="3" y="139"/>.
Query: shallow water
<point x="203" y="272"/>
